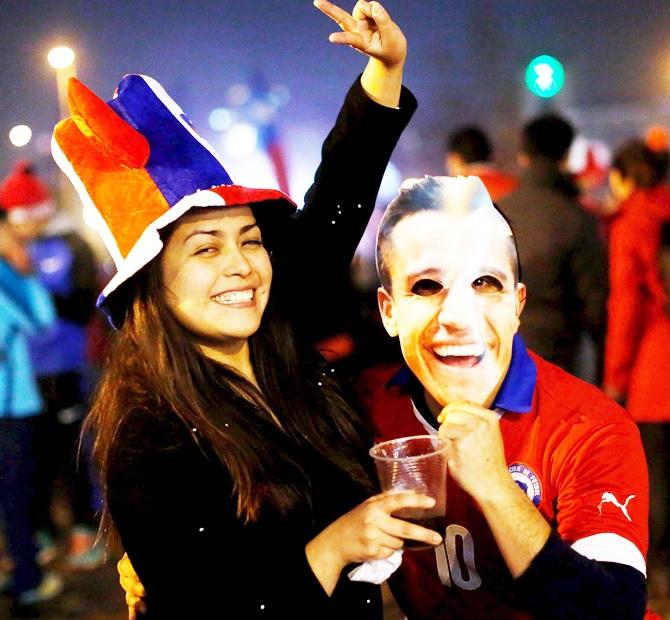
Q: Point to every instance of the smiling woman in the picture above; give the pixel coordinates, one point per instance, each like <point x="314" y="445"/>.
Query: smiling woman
<point x="223" y="440"/>
<point x="217" y="275"/>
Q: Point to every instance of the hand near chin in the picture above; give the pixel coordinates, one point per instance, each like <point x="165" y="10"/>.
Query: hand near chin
<point x="476" y="454"/>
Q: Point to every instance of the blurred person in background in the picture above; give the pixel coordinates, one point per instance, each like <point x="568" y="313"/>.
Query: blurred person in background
<point x="469" y="153"/>
<point x="25" y="307"/>
<point x="564" y="261"/>
<point x="66" y="265"/>
<point x="638" y="328"/>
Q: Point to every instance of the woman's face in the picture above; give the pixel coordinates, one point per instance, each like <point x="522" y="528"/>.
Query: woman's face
<point x="217" y="276"/>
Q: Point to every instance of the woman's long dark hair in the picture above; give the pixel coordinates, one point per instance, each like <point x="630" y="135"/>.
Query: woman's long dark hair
<point x="155" y="366"/>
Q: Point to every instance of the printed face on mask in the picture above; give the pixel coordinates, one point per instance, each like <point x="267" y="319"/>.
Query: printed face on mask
<point x="454" y="301"/>
<point x="217" y="275"/>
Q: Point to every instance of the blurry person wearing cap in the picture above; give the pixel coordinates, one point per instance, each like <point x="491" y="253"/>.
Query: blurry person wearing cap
<point x="469" y="153"/>
<point x="547" y="497"/>
<point x="25" y="307"/>
<point x="236" y="473"/>
<point x="563" y="256"/>
<point x="65" y="264"/>
<point x="638" y="327"/>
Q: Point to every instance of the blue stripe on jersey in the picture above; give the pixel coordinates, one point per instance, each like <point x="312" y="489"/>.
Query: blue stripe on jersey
<point x="515" y="393"/>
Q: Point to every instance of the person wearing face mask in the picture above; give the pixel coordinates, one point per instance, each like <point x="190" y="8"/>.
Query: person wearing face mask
<point x="547" y="499"/>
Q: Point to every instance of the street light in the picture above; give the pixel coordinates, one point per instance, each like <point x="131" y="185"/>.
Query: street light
<point x="60" y="57"/>
<point x="62" y="60"/>
<point x="20" y="135"/>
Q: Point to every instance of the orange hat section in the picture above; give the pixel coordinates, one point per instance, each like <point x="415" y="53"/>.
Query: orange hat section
<point x="108" y="157"/>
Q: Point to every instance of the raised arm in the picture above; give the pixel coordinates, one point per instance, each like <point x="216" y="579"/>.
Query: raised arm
<point x="354" y="156"/>
<point x="355" y="153"/>
<point x="370" y="30"/>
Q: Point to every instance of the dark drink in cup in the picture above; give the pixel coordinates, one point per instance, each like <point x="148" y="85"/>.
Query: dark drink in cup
<point x="419" y="465"/>
<point x="424" y="518"/>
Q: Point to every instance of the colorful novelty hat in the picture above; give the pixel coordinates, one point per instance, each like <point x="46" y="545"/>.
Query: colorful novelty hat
<point x="141" y="164"/>
<point x="24" y="195"/>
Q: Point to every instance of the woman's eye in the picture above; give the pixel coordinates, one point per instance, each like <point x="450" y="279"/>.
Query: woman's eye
<point x="253" y="242"/>
<point x="205" y="251"/>
<point x="487" y="284"/>
<point x="426" y="287"/>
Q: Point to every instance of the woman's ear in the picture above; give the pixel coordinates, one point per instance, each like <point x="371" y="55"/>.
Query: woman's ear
<point x="387" y="311"/>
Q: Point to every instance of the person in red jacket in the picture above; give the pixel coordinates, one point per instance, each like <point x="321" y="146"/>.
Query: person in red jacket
<point x="469" y="153"/>
<point x="638" y="334"/>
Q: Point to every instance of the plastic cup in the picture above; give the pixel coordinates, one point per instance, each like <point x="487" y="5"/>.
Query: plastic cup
<point x="417" y="464"/>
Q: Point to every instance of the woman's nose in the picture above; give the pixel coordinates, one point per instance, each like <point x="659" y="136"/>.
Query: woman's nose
<point x="235" y="263"/>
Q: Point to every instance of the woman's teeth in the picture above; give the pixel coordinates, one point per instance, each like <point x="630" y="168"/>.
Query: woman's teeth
<point x="234" y="297"/>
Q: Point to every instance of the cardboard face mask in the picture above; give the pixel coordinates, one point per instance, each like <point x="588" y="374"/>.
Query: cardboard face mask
<point x="454" y="300"/>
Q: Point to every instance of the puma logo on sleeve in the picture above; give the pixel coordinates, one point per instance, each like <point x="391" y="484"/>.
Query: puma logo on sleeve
<point x="608" y="497"/>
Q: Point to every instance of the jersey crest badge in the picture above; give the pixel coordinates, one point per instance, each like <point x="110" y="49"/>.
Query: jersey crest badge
<point x="528" y="481"/>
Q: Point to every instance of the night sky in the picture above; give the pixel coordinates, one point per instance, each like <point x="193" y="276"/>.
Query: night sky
<point x="465" y="64"/>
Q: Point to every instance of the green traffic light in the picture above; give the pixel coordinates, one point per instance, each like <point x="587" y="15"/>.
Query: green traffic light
<point x="545" y="76"/>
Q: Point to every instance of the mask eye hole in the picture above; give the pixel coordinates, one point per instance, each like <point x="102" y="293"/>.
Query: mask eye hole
<point x="426" y="287"/>
<point x="487" y="284"/>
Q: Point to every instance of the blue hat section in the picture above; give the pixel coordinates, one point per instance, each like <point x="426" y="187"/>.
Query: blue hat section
<point x="179" y="163"/>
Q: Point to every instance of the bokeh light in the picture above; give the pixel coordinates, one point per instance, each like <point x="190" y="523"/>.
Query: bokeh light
<point x="20" y="135"/>
<point x="220" y="119"/>
<point x="240" y="140"/>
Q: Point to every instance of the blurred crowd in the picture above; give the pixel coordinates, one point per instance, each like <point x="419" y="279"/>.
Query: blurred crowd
<point x="49" y="281"/>
<point x="595" y="254"/>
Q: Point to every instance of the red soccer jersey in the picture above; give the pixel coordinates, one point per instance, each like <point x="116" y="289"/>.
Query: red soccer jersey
<point x="577" y="455"/>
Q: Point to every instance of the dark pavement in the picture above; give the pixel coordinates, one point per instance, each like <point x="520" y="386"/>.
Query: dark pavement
<point x="90" y="595"/>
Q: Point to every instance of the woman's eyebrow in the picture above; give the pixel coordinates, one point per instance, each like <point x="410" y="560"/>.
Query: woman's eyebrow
<point x="217" y="233"/>
<point x="213" y="233"/>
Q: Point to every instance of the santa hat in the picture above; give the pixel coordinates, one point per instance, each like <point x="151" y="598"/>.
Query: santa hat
<point x="141" y="164"/>
<point x="24" y="196"/>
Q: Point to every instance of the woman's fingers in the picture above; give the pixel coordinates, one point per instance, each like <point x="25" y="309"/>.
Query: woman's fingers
<point x="375" y="12"/>
<point x="362" y="10"/>
<point x="394" y="524"/>
<point x="343" y="19"/>
<point x="132" y="586"/>
<point x="398" y="527"/>
<point x="354" y="39"/>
